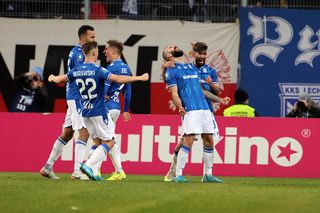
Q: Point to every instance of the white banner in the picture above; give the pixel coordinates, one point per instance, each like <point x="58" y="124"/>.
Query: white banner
<point x="223" y="40"/>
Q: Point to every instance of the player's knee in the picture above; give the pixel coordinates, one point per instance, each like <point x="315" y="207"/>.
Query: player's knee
<point x="67" y="134"/>
<point x="85" y="135"/>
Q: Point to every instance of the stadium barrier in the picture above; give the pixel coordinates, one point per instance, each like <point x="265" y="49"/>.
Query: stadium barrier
<point x="262" y="147"/>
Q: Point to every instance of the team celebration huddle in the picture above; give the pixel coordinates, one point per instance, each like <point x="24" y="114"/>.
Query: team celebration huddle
<point x="92" y="94"/>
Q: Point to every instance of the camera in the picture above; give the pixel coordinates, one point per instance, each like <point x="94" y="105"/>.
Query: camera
<point x="302" y="106"/>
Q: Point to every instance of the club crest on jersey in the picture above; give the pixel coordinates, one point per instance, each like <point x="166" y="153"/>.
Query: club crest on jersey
<point x="80" y="57"/>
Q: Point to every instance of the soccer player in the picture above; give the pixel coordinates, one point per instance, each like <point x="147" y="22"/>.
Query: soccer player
<point x="73" y="119"/>
<point x="209" y="81"/>
<point x="90" y="80"/>
<point x="113" y="51"/>
<point x="188" y="95"/>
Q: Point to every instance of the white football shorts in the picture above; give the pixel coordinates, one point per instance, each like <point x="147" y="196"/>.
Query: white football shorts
<point x="198" y="122"/>
<point x="100" y="127"/>
<point x="216" y="134"/>
<point x="73" y="117"/>
<point x="114" y="114"/>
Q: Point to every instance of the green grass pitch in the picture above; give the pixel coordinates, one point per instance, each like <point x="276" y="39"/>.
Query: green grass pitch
<point x="30" y="192"/>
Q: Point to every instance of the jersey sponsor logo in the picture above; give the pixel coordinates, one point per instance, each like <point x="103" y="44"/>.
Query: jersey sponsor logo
<point x="189" y="76"/>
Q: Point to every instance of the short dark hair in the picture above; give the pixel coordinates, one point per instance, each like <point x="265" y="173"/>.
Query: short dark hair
<point x="199" y="46"/>
<point x="117" y="44"/>
<point x="87" y="47"/>
<point x="83" y="30"/>
<point x="240" y="96"/>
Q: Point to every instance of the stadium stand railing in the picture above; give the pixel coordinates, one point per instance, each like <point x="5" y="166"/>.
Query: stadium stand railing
<point x="188" y="10"/>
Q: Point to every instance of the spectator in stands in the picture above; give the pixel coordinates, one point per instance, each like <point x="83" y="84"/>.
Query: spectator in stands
<point x="305" y="108"/>
<point x="130" y="9"/>
<point x="32" y="93"/>
<point x="255" y="3"/>
<point x="241" y="107"/>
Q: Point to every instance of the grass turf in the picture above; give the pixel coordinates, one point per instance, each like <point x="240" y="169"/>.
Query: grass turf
<point x="30" y="192"/>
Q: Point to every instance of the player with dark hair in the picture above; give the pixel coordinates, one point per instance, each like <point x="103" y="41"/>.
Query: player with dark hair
<point x="90" y="80"/>
<point x="190" y="99"/>
<point x="209" y="81"/>
<point x="73" y="120"/>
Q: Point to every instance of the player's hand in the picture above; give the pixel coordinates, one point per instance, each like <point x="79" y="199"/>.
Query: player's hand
<point x="107" y="97"/>
<point x="172" y="106"/>
<point x="51" y="78"/>
<point x="168" y="64"/>
<point x="208" y="80"/>
<point x="182" y="111"/>
<point x="225" y="101"/>
<point x="126" y="116"/>
<point x="144" y="77"/>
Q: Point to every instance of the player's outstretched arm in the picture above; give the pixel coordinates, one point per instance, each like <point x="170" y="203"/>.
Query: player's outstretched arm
<point x="122" y="79"/>
<point x="57" y="79"/>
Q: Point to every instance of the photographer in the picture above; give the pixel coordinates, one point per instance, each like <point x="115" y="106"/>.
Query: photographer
<point x="32" y="93"/>
<point x="305" y="108"/>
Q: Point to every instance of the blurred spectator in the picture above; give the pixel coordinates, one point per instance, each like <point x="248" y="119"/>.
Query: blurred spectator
<point x="303" y="4"/>
<point x="305" y="108"/>
<point x="98" y="10"/>
<point x="32" y="93"/>
<point x="255" y="3"/>
<point x="130" y="9"/>
<point x="241" y="107"/>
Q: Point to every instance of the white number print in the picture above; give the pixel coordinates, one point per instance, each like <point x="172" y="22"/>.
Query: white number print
<point x="90" y="85"/>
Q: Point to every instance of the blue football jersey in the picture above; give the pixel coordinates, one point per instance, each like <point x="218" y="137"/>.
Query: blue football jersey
<point x="90" y="80"/>
<point x="118" y="67"/>
<point x="76" y="57"/>
<point x="204" y="72"/>
<point x="185" y="77"/>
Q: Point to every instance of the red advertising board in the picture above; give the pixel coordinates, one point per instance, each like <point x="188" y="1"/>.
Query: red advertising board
<point x="263" y="147"/>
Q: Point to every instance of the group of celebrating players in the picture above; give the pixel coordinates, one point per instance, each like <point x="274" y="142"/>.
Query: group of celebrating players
<point x="92" y="94"/>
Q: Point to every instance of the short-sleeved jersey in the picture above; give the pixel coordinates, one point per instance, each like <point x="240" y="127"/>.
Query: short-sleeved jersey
<point x="118" y="67"/>
<point x="185" y="77"/>
<point x="204" y="72"/>
<point x="76" y="58"/>
<point x="90" y="81"/>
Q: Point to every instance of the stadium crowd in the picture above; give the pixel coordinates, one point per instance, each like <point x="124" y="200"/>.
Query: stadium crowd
<point x="190" y="10"/>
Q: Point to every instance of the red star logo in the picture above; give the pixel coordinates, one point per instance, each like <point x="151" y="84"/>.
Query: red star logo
<point x="286" y="152"/>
